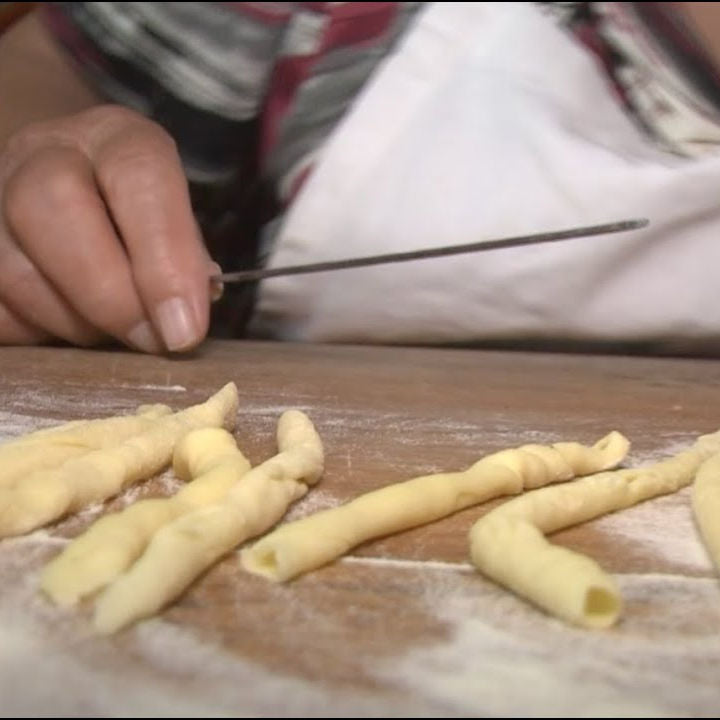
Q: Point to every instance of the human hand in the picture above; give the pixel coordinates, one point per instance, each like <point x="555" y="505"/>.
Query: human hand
<point x="97" y="236"/>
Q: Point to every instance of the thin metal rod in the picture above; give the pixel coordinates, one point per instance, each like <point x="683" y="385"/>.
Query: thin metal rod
<point x="535" y="239"/>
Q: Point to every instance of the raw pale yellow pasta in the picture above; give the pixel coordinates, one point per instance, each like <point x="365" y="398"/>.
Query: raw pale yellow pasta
<point x="47" y="495"/>
<point x="706" y="506"/>
<point x="508" y="544"/>
<point x="115" y="541"/>
<point x="51" y="447"/>
<point x="186" y="547"/>
<point x="310" y="542"/>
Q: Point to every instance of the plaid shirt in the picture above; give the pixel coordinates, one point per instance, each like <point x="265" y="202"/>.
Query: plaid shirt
<point x="260" y="83"/>
<point x="250" y="91"/>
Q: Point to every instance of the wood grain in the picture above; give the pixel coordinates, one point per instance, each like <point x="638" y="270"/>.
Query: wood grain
<point x="404" y="626"/>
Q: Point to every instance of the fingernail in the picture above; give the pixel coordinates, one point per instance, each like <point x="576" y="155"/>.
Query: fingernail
<point x="216" y="286"/>
<point x="177" y="325"/>
<point x="143" y="338"/>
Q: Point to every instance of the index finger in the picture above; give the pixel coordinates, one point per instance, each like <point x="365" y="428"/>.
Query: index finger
<point x="140" y="174"/>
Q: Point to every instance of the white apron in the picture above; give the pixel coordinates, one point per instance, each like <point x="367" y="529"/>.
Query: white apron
<point x="490" y="121"/>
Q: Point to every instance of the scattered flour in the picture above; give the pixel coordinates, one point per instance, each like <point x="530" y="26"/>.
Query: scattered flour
<point x="499" y="656"/>
<point x="668" y="445"/>
<point x="51" y="665"/>
<point x="665" y="527"/>
<point x="505" y="659"/>
<point x="163" y="388"/>
<point x="314" y="501"/>
<point x="165" y="670"/>
<point x="14" y="425"/>
<point x="409" y="564"/>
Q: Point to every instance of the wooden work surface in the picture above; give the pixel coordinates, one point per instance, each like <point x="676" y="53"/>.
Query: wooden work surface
<point x="404" y="626"/>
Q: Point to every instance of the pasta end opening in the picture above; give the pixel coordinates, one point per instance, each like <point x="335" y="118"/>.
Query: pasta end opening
<point x="264" y="562"/>
<point x="601" y="607"/>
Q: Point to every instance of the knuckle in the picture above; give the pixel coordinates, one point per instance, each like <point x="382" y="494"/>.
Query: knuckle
<point x="50" y="178"/>
<point x="63" y="185"/>
<point x="18" y="144"/>
<point x="134" y="153"/>
<point x="88" y="128"/>
<point x="108" y="118"/>
<point x="28" y="138"/>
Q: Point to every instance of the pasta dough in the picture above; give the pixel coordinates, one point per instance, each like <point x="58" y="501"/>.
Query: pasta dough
<point x="53" y="446"/>
<point x="47" y="495"/>
<point x="508" y="544"/>
<point x="186" y="547"/>
<point x="115" y="541"/>
<point x="706" y="506"/>
<point x="313" y="541"/>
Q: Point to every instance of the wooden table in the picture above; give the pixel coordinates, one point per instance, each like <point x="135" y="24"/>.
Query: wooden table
<point x="403" y="626"/>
